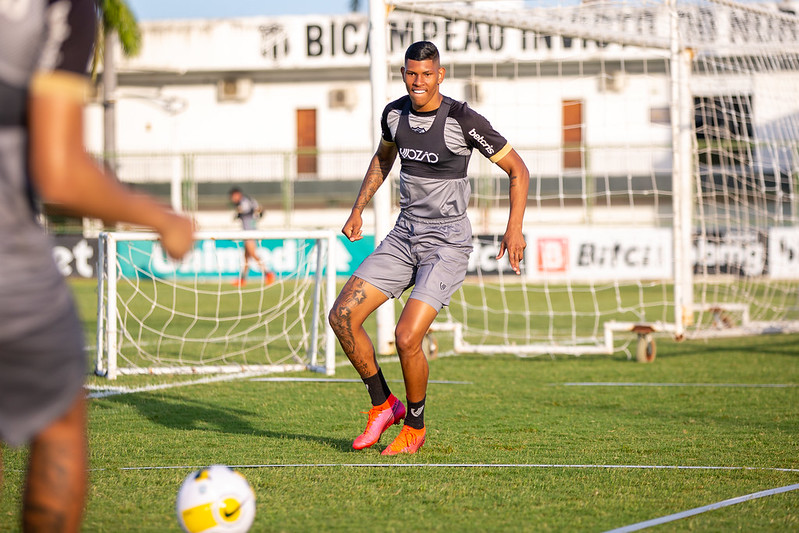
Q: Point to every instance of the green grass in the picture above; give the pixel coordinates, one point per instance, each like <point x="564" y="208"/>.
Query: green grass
<point x="514" y="411"/>
<point x="216" y="323"/>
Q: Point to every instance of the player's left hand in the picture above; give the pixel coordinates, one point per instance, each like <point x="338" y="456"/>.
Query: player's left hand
<point x="513" y="242"/>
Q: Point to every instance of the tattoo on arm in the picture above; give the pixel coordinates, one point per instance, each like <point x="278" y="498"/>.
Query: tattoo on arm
<point x="375" y="176"/>
<point x="513" y="180"/>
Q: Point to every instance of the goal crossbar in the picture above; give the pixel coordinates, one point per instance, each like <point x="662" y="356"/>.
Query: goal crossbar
<point x="587" y="22"/>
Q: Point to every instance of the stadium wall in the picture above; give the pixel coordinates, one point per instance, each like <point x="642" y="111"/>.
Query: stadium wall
<point x="237" y="84"/>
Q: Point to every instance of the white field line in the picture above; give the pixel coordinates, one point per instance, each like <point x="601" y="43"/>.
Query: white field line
<point x="704" y="509"/>
<point x="468" y="465"/>
<point x="345" y="380"/>
<point x="720" y="385"/>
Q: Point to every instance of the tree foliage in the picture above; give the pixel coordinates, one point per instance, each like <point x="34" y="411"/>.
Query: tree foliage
<point x="116" y="16"/>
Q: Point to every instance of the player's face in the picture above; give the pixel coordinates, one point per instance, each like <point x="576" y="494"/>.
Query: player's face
<point x="422" y="79"/>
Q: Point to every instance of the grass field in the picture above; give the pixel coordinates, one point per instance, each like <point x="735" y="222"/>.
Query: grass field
<point x="556" y="437"/>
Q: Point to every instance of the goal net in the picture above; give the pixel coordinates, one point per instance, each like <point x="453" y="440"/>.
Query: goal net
<point x="662" y="140"/>
<point x="156" y="315"/>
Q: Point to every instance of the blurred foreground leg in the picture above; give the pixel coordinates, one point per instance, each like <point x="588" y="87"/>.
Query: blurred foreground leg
<point x="55" y="492"/>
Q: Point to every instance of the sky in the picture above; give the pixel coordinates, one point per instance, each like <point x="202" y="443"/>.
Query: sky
<point x="182" y="9"/>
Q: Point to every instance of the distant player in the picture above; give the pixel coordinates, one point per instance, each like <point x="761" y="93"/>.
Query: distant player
<point x="429" y="247"/>
<point x="248" y="211"/>
<point x="45" y="46"/>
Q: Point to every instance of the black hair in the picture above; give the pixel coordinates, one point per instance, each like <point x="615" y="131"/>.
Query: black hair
<point x="233" y="190"/>
<point x="422" y="51"/>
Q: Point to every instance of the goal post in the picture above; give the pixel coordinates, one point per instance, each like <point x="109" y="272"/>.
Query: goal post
<point x="662" y="139"/>
<point x="159" y="316"/>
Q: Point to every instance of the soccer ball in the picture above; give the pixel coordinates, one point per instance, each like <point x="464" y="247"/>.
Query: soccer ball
<point x="215" y="500"/>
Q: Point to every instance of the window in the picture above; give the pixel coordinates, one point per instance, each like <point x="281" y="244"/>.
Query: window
<point x="572" y="134"/>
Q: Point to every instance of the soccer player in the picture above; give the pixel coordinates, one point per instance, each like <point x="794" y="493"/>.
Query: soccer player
<point x="428" y="248"/>
<point x="247" y="210"/>
<point x="45" y="46"/>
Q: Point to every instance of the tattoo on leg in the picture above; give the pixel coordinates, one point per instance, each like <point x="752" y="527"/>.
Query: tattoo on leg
<point x="50" y="481"/>
<point x="362" y="367"/>
<point x="351" y="295"/>
<point x="342" y="326"/>
<point x="41" y="518"/>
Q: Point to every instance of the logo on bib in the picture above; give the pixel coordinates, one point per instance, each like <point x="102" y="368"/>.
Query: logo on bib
<point x="418" y="155"/>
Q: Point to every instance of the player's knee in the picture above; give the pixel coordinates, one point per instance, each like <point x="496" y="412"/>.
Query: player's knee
<point x="407" y="341"/>
<point x="333" y="319"/>
<point x="338" y="318"/>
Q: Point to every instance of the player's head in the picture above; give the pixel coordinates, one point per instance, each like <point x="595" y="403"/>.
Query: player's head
<point x="421" y="51"/>
<point x="422" y="74"/>
<point x="235" y="194"/>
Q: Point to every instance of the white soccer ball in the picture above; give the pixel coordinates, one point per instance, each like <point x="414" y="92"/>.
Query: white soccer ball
<point x="215" y="499"/>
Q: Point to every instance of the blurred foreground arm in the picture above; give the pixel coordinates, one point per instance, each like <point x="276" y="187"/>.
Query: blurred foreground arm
<point x="66" y="176"/>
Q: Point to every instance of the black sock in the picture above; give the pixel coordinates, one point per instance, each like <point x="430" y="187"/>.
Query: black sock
<point x="414" y="417"/>
<point x="377" y="388"/>
<point x="383" y="383"/>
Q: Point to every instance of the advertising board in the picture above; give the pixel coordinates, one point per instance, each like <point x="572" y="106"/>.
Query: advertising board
<point x="783" y="253"/>
<point x="224" y="258"/>
<point x="599" y="253"/>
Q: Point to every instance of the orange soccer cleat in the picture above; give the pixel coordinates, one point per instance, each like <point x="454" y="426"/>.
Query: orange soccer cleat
<point x="381" y="417"/>
<point x="408" y="441"/>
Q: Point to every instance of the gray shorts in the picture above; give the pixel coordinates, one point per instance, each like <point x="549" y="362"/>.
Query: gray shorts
<point x="42" y="360"/>
<point x="248" y="223"/>
<point x="429" y="255"/>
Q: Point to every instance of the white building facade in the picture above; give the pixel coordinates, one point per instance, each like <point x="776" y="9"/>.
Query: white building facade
<point x="286" y="101"/>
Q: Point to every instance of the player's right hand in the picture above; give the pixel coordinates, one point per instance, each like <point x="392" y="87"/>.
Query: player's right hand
<point x="177" y="235"/>
<point x="352" y="228"/>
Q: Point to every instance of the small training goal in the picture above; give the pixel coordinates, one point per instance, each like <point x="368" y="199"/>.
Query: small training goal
<point x="158" y="316"/>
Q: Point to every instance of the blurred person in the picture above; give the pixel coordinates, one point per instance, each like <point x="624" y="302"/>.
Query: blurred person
<point x="428" y="248"/>
<point x="248" y="211"/>
<point x="45" y="47"/>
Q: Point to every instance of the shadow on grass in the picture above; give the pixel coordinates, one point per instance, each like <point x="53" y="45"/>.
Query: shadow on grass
<point x="191" y="415"/>
<point x="774" y="344"/>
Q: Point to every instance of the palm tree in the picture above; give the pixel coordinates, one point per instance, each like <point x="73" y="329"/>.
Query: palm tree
<point x="116" y="21"/>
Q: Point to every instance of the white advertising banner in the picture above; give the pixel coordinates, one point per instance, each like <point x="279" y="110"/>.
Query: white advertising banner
<point x="594" y="254"/>
<point x="783" y="253"/>
<point x="737" y="252"/>
<point x="329" y="41"/>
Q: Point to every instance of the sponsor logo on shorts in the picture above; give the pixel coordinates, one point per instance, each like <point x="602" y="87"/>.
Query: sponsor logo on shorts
<point x="489" y="148"/>
<point x="442" y="286"/>
<point x="419" y="155"/>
